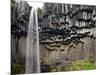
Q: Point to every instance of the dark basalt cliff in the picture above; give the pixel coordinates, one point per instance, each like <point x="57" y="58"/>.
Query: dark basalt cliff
<point x="20" y="18"/>
<point x="20" y="12"/>
<point x="65" y="30"/>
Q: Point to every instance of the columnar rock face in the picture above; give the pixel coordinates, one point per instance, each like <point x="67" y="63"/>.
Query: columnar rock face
<point x="67" y="32"/>
<point x="19" y="26"/>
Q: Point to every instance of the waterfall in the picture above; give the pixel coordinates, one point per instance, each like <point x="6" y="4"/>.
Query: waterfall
<point x="32" y="50"/>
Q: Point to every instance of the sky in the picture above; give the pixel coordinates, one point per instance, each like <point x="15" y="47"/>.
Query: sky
<point x="33" y="3"/>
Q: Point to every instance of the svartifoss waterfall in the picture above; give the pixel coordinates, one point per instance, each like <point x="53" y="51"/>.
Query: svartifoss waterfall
<point x="32" y="50"/>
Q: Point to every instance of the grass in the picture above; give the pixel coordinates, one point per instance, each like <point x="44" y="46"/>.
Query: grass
<point x="74" y="66"/>
<point x="17" y="68"/>
<point x="83" y="65"/>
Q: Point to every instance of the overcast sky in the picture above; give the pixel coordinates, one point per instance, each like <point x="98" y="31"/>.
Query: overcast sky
<point x="33" y="3"/>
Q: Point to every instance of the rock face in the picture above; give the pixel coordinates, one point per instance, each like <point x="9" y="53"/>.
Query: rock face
<point x="67" y="32"/>
<point x="19" y="26"/>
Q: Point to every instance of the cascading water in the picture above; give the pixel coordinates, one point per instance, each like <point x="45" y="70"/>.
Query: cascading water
<point x="32" y="50"/>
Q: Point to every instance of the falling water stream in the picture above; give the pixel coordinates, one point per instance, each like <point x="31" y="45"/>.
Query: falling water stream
<point x="32" y="50"/>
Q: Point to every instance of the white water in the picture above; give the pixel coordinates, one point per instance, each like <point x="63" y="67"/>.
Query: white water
<point x="32" y="50"/>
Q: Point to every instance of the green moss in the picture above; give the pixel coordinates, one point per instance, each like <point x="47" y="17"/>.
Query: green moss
<point x="89" y="66"/>
<point x="17" y="68"/>
<point x="82" y="65"/>
<point x="74" y="66"/>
